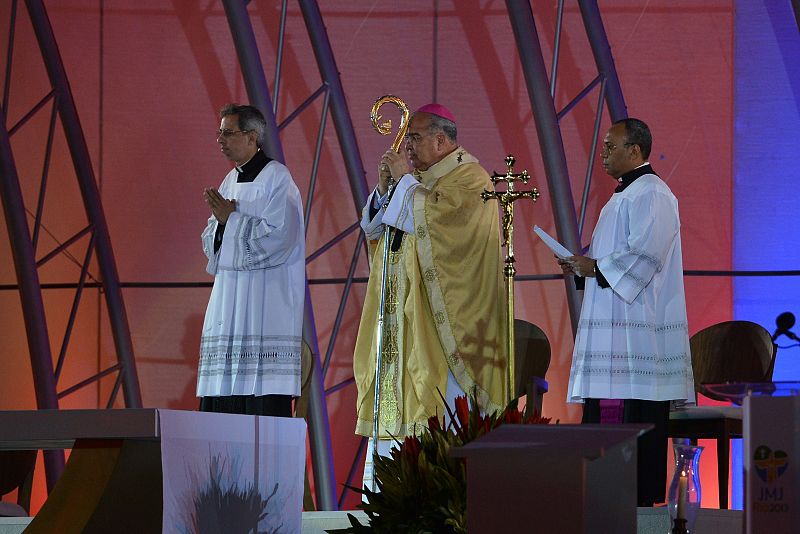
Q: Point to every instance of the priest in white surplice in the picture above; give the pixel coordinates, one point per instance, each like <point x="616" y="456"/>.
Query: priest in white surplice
<point x="632" y="341"/>
<point x="254" y="241"/>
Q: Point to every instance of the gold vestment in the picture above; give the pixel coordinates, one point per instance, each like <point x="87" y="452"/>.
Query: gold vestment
<point x="445" y="304"/>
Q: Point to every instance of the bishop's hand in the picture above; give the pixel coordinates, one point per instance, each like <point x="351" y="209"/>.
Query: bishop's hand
<point x="392" y="165"/>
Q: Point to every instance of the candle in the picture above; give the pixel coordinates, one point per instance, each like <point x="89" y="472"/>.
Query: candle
<point x="683" y="496"/>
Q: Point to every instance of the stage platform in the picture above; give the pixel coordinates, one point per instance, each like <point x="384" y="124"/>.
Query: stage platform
<point x="61" y="429"/>
<point x="649" y="521"/>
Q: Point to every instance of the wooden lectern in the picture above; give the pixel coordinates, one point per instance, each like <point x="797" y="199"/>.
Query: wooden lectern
<point x="567" y="479"/>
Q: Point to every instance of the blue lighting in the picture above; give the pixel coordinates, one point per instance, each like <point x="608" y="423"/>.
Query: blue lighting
<point x="766" y="233"/>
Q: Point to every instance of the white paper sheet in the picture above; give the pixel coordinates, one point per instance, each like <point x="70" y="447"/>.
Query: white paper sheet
<point x="558" y="249"/>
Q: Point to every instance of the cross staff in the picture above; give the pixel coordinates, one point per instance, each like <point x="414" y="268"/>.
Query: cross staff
<point x="506" y="199"/>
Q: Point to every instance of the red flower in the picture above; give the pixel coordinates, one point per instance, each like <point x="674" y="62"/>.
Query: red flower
<point x="434" y="425"/>
<point x="486" y="423"/>
<point x="512" y="417"/>
<point x="536" y="419"/>
<point x="462" y="411"/>
<point x="411" y="448"/>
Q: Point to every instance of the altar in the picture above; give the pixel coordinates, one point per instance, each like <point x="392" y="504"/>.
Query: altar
<point x="153" y="470"/>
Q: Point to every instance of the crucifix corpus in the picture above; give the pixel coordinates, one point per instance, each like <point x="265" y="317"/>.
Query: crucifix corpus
<point x="506" y="199"/>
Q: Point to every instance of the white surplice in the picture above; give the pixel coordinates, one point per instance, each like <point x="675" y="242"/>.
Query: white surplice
<point x="632" y="340"/>
<point x="252" y="331"/>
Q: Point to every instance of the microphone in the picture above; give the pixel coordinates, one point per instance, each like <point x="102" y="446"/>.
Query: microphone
<point x="784" y="322"/>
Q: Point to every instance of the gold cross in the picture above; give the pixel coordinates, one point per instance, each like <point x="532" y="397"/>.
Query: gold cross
<point x="506" y="199"/>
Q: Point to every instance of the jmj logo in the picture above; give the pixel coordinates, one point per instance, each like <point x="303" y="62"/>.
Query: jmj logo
<point x="770" y="464"/>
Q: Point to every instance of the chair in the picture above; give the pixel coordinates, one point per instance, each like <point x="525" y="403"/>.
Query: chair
<point x="16" y="473"/>
<point x="531" y="360"/>
<point x="733" y="351"/>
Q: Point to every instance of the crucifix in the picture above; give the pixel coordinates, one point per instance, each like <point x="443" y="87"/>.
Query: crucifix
<point x="506" y="199"/>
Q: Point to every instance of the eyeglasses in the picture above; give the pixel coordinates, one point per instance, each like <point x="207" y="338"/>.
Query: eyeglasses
<point x="608" y="148"/>
<point x="414" y="138"/>
<point x="229" y="133"/>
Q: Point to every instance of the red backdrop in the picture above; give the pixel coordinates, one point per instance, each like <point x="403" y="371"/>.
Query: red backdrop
<point x="148" y="78"/>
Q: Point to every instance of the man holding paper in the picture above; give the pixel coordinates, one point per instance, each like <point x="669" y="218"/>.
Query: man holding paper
<point x="632" y="341"/>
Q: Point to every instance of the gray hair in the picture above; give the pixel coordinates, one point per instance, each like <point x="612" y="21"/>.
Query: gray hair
<point x="250" y="119"/>
<point x="448" y="127"/>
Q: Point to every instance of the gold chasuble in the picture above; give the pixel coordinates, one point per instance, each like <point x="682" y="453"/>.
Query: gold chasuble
<point x="445" y="304"/>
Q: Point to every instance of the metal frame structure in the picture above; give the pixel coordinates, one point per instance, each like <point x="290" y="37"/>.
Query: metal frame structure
<point x="796" y="8"/>
<point x="540" y="89"/>
<point x="541" y="94"/>
<point x="24" y="244"/>
<point x="250" y="63"/>
<point x="568" y="225"/>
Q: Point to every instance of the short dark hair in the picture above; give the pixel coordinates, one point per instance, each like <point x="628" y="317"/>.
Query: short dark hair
<point x="637" y="133"/>
<point x="250" y="119"/>
<point x="446" y="126"/>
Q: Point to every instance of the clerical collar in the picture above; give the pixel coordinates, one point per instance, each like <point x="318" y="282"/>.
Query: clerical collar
<point x="249" y="171"/>
<point x="627" y="179"/>
<point x="446" y="165"/>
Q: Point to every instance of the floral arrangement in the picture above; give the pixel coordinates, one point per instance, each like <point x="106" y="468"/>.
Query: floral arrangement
<point x="421" y="488"/>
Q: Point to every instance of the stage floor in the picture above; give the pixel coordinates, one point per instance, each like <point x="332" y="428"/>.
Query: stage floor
<point x="650" y="521"/>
